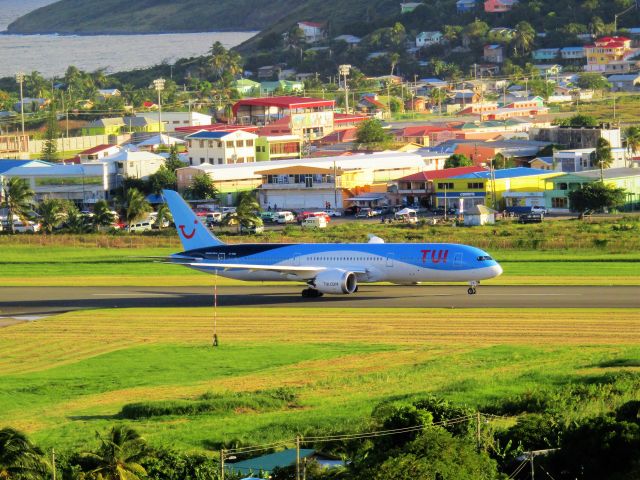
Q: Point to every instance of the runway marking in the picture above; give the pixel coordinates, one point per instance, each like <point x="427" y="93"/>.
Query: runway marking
<point x="133" y="294"/>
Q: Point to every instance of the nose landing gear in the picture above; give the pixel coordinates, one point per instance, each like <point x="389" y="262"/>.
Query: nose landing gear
<point x="472" y="287"/>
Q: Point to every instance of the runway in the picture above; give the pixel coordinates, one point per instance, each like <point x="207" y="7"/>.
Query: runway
<point x="36" y="301"/>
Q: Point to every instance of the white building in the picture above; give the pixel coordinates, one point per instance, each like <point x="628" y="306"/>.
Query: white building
<point x="426" y="39"/>
<point x="313" y="31"/>
<point x="130" y="164"/>
<point x="580" y="159"/>
<point x="221" y="148"/>
<point x="172" y="120"/>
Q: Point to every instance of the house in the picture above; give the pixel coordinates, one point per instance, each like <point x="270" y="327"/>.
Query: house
<point x="607" y="50"/>
<point x="416" y="104"/>
<point x="348" y="39"/>
<point x="370" y="105"/>
<point x="542" y="163"/>
<point x="280" y="147"/>
<point x="499" y="6"/>
<point x="464" y="6"/>
<point x="577" y="137"/>
<point x="221" y="148"/>
<point x="173" y="120"/>
<point x="303" y="116"/>
<point x="245" y="87"/>
<point x="625" y="83"/>
<point x="283" y="86"/>
<point x="104" y="126"/>
<point x="131" y="164"/>
<point x="417" y="189"/>
<point x="409" y="7"/>
<point x="626" y="178"/>
<point x="31" y="105"/>
<point x="494" y="53"/>
<point x="479" y="215"/>
<point x="482" y="152"/>
<point x="546" y="53"/>
<point x="548" y="70"/>
<point x="558" y="189"/>
<point x="464" y="97"/>
<point x="572" y="53"/>
<point x="580" y="159"/>
<point x="269" y="71"/>
<point x="142" y="124"/>
<point x="97" y="153"/>
<point x="426" y="39"/>
<point x="313" y="31"/>
<point x="106" y="93"/>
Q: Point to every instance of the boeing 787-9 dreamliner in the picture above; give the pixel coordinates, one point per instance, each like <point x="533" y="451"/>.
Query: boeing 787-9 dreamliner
<point x="325" y="267"/>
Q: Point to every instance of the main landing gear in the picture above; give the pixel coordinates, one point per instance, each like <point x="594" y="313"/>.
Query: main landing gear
<point x="472" y="287"/>
<point x="311" y="293"/>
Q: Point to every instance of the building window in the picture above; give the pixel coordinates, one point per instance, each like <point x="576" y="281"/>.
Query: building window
<point x="240" y="143"/>
<point x="210" y="143"/>
<point x="230" y="144"/>
<point x="474" y="185"/>
<point x="190" y="160"/>
<point x="201" y="143"/>
<point x="240" y="160"/>
<point x="219" y="144"/>
<point x="562" y="186"/>
<point x="559" y="202"/>
<point x="219" y="161"/>
<point x="249" y="143"/>
<point x="210" y="161"/>
<point x="448" y="186"/>
<point x="201" y="160"/>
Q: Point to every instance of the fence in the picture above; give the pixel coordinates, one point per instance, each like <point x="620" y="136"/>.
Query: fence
<point x="79" y="143"/>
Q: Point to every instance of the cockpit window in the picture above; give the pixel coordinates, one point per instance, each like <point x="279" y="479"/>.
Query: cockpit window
<point x="484" y="258"/>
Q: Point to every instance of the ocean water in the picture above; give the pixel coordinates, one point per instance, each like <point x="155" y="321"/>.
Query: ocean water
<point x="52" y="54"/>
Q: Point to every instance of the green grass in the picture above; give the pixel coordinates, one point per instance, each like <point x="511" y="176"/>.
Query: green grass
<point x="67" y="376"/>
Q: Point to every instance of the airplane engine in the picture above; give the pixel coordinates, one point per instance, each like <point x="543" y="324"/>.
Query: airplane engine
<point x="337" y="282"/>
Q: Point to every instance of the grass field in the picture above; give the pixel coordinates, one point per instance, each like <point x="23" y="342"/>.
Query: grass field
<point x="67" y="376"/>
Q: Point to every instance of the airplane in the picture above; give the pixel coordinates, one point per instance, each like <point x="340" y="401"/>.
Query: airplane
<point x="327" y="268"/>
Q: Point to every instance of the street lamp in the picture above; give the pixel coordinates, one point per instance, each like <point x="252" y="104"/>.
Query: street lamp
<point x="158" y="84"/>
<point x="20" y="80"/>
<point x="344" y="71"/>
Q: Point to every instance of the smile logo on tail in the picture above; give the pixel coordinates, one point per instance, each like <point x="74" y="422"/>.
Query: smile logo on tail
<point x="186" y="235"/>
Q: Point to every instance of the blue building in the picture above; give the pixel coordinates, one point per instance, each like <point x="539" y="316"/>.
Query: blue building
<point x="464" y="6"/>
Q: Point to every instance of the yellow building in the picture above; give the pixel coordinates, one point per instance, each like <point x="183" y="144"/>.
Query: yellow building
<point x="607" y="50"/>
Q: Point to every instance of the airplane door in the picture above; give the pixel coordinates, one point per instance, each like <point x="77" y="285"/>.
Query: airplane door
<point x="457" y="260"/>
<point x="390" y="260"/>
<point x="221" y="257"/>
<point x="296" y="259"/>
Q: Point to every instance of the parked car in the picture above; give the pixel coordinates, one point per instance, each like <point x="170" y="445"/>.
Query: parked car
<point x="365" y="213"/>
<point x="26" y="227"/>
<point x="139" y="227"/>
<point x="531" y="218"/>
<point x="406" y="215"/>
<point x="304" y="215"/>
<point x="286" y="217"/>
<point x="539" y="209"/>
<point x="314" y="222"/>
<point x="269" y="216"/>
<point x="334" y="213"/>
<point x="213" y="218"/>
<point x="251" y="229"/>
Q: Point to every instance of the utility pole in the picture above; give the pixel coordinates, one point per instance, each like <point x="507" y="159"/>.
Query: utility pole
<point x="478" y="430"/>
<point x="221" y="464"/>
<point x="158" y="83"/>
<point x="297" y="457"/>
<point x="344" y="71"/>
<point x="533" y="473"/>
<point x="20" y="80"/>
<point x="335" y="185"/>
<point x="53" y="462"/>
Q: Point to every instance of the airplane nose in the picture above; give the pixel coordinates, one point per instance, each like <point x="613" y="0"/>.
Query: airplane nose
<point x="497" y="270"/>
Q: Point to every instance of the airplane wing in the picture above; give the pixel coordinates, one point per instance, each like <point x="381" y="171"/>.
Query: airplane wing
<point x="306" y="272"/>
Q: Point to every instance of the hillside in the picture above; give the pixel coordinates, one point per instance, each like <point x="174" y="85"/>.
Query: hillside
<point x="159" y="16"/>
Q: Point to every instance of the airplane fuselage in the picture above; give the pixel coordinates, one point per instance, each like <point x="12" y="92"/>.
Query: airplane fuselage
<point x="373" y="262"/>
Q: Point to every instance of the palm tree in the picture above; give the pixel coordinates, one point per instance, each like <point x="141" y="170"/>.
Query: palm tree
<point x="437" y="96"/>
<point x="18" y="197"/>
<point x="602" y="156"/>
<point x="394" y="58"/>
<point x="19" y="458"/>
<point x="102" y="214"/>
<point x="119" y="455"/>
<point x="246" y="214"/>
<point x="164" y="215"/>
<point x="524" y="37"/>
<point x="76" y="222"/>
<point x="52" y="213"/>
<point x="633" y="139"/>
<point x="137" y="205"/>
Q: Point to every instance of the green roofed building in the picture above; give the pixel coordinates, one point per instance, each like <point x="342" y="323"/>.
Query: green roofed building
<point x="246" y="87"/>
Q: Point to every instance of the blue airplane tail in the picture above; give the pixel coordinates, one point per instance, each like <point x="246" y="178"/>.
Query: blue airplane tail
<point x="192" y="232"/>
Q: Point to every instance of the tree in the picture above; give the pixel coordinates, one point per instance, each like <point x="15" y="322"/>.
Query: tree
<point x="19" y="458"/>
<point x="246" y="214"/>
<point x="50" y="147"/>
<point x="370" y="132"/>
<point x="162" y="179"/>
<point x="632" y="137"/>
<point x="76" y="221"/>
<point x="173" y="162"/>
<point x="201" y="188"/>
<point x="524" y="37"/>
<point x="437" y="96"/>
<point x="542" y="88"/>
<point x="119" y="455"/>
<point x="596" y="196"/>
<point x="579" y="121"/>
<point x="394" y="58"/>
<point x="102" y="214"/>
<point x="137" y="206"/>
<point x="458" y="160"/>
<point x="163" y="215"/>
<point x="18" y="198"/>
<point x="603" y="158"/>
<point x="592" y="81"/>
<point x="52" y="213"/>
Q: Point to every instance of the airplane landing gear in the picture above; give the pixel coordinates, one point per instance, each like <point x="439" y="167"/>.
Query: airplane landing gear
<point x="472" y="287"/>
<point x="311" y="293"/>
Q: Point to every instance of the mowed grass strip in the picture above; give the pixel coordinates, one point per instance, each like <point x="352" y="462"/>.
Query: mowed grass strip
<point x="78" y="335"/>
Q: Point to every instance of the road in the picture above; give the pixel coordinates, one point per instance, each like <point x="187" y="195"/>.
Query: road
<point x="34" y="301"/>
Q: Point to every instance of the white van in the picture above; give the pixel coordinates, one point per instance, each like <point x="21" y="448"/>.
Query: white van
<point x="286" y="217"/>
<point x="406" y="215"/>
<point x="26" y="227"/>
<point x="144" y="226"/>
<point x="314" y="222"/>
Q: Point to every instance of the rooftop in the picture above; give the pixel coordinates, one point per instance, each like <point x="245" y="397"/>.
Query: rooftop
<point x="438" y="174"/>
<point x="285" y="102"/>
<point x="611" y="173"/>
<point x="508" y="173"/>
